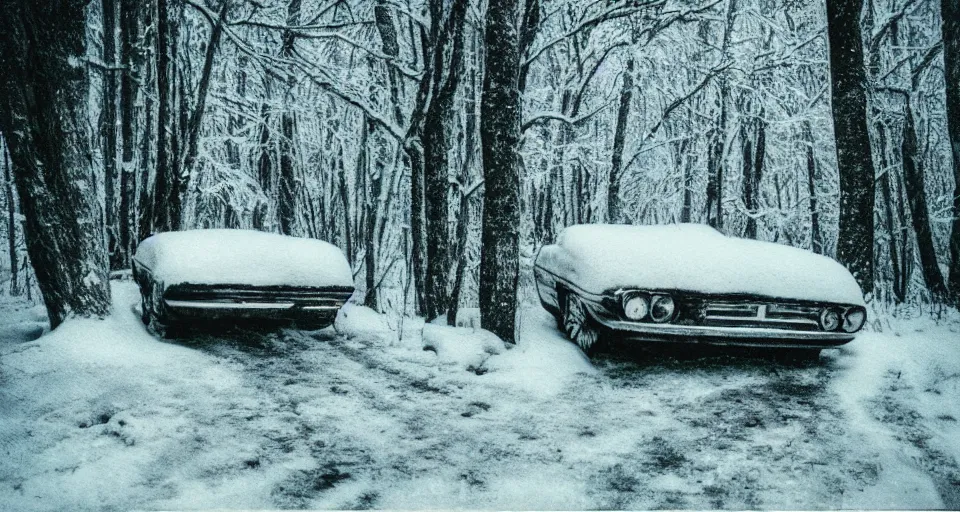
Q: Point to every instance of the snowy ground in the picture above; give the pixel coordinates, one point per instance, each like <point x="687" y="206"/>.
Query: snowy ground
<point x="100" y="415"/>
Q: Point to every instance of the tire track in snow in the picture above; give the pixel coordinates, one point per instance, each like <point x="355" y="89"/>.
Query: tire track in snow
<point x="375" y="417"/>
<point x="752" y="433"/>
<point x="894" y="408"/>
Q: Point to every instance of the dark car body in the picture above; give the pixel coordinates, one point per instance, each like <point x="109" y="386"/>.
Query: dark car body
<point x="168" y="307"/>
<point x="716" y="316"/>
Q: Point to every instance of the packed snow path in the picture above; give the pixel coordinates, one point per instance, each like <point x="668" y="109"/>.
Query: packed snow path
<point x="101" y="415"/>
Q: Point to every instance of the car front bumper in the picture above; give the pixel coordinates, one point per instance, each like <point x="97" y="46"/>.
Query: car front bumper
<point x="730" y="336"/>
<point x="193" y="311"/>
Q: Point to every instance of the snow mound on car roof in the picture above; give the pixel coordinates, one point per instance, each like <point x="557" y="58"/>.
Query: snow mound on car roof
<point x="697" y="258"/>
<point x="234" y="256"/>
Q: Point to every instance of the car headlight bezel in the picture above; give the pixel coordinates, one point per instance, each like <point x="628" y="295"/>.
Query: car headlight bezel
<point x="854" y="326"/>
<point x="630" y="303"/>
<point x="661" y="300"/>
<point x="831" y="319"/>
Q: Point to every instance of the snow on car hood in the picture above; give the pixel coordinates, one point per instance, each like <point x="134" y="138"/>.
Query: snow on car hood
<point x="237" y="257"/>
<point x="691" y="257"/>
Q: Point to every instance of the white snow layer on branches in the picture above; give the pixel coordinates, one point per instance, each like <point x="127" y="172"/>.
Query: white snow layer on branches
<point x="234" y="256"/>
<point x="696" y="258"/>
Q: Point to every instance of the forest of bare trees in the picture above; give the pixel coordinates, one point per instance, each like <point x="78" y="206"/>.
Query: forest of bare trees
<point x="440" y="143"/>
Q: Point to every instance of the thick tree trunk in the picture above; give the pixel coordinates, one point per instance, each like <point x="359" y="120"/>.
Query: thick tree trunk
<point x="167" y="198"/>
<point x="128" y="98"/>
<point x="43" y="111"/>
<point x="14" y="288"/>
<point x="501" y="109"/>
<point x="854" y="157"/>
<point x="108" y="130"/>
<point x="950" y="13"/>
<point x="436" y="147"/>
<point x="917" y="198"/>
<point x="614" y="208"/>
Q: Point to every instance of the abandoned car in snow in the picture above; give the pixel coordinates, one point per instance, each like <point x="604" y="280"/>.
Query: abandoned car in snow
<point x="197" y="276"/>
<point x="690" y="283"/>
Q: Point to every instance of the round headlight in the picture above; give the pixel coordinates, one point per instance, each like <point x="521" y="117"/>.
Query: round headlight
<point x="636" y="308"/>
<point x="829" y="319"/>
<point x="662" y="308"/>
<point x="854" y="319"/>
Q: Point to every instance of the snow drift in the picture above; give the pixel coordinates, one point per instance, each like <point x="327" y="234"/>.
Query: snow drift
<point x="697" y="258"/>
<point x="242" y="257"/>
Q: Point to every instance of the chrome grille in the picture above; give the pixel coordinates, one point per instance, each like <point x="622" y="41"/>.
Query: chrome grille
<point x="755" y="314"/>
<point x="237" y="295"/>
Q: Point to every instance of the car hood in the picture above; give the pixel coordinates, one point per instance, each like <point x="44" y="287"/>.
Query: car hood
<point x="243" y="257"/>
<point x="694" y="258"/>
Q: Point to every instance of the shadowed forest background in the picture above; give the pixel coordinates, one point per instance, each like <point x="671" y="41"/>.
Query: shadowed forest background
<point x="440" y="143"/>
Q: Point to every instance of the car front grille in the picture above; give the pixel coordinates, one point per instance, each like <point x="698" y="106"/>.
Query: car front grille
<point x="238" y="295"/>
<point x="758" y="314"/>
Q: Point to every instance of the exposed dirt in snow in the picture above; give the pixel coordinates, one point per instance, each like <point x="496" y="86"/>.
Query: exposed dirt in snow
<point x="365" y="418"/>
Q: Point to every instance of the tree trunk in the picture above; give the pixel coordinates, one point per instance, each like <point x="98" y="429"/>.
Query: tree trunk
<point x="816" y="241"/>
<point x="344" y="192"/>
<point x="128" y="98"/>
<point x="369" y="224"/>
<point x="108" y="130"/>
<point x="716" y="148"/>
<point x="614" y="208"/>
<point x="751" y="184"/>
<point x="287" y="201"/>
<point x="854" y="157"/>
<point x="43" y="111"/>
<point x="686" y="211"/>
<point x="14" y="289"/>
<point x="716" y="162"/>
<point x="149" y="144"/>
<point x="917" y="198"/>
<point x="387" y="29"/>
<point x="167" y="198"/>
<point x="501" y="109"/>
<point x="195" y="120"/>
<point x="264" y="163"/>
<point x="749" y="191"/>
<point x="466" y="174"/>
<point x="950" y="14"/>
<point x="436" y="147"/>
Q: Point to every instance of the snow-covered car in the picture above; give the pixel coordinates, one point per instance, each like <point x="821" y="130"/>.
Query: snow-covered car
<point x="196" y="276"/>
<point x="690" y="283"/>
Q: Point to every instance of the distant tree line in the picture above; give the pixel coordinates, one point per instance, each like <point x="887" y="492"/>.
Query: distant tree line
<point x="440" y="143"/>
